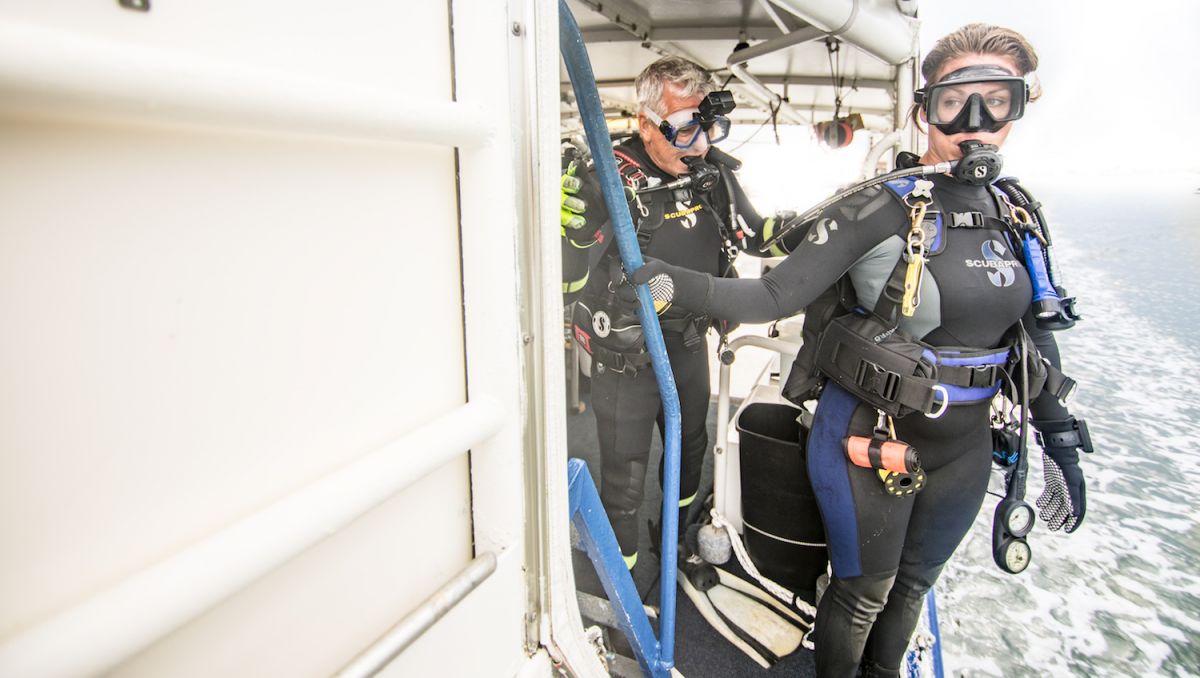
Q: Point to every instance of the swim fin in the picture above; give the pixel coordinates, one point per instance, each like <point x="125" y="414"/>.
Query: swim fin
<point x="751" y="619"/>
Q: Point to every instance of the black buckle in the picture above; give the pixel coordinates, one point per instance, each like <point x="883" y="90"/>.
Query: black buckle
<point x="881" y="382"/>
<point x="966" y="219"/>
<point x="612" y="361"/>
<point x="982" y="376"/>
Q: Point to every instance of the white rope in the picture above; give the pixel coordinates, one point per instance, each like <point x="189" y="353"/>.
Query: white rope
<point x="780" y="592"/>
<point x="770" y="586"/>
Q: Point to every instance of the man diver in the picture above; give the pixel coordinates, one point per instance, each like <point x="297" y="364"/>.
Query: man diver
<point x="700" y="226"/>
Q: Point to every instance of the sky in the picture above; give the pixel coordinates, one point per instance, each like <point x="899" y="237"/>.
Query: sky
<point x="1120" y="104"/>
<point x="1121" y="89"/>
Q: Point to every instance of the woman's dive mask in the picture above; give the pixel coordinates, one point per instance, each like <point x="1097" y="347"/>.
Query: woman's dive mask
<point x="980" y="98"/>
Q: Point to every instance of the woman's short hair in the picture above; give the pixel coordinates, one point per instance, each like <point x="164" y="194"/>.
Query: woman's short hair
<point x="688" y="76"/>
<point x="979" y="38"/>
<point x="983" y="39"/>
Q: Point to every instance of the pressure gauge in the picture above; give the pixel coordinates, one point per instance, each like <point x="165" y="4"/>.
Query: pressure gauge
<point x="1012" y="521"/>
<point x="1015" y="555"/>
<point x="1017" y="517"/>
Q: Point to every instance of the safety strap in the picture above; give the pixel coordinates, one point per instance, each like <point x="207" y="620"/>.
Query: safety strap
<point x="1076" y="436"/>
<point x="875" y="450"/>
<point x="982" y="376"/>
<point x="630" y="170"/>
<point x="892" y="295"/>
<point x="691" y="327"/>
<point x="912" y="392"/>
<point x="1058" y="384"/>
<point x="629" y="363"/>
<point x="976" y="220"/>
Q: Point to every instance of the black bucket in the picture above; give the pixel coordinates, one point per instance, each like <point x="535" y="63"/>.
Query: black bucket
<point x="782" y="524"/>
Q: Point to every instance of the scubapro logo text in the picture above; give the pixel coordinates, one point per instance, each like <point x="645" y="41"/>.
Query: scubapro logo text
<point x="993" y="252"/>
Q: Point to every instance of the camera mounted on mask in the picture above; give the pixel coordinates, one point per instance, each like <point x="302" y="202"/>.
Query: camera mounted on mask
<point x="981" y="98"/>
<point x="719" y="103"/>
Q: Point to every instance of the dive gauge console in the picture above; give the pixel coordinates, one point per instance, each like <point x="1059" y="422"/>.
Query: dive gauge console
<point x="1012" y="523"/>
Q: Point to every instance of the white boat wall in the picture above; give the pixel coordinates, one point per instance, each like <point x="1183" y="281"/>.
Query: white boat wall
<point x="280" y="326"/>
<point x="282" y="350"/>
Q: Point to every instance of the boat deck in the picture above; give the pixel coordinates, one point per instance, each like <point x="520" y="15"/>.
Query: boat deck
<point x="699" y="650"/>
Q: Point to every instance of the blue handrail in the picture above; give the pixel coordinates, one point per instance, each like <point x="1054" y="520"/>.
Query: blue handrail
<point x="596" y="534"/>
<point x="583" y="81"/>
<point x="938" y="667"/>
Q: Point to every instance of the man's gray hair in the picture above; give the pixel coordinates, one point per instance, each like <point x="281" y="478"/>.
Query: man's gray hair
<point x="688" y="76"/>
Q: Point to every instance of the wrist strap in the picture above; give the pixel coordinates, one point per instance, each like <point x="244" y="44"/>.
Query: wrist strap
<point x="1076" y="436"/>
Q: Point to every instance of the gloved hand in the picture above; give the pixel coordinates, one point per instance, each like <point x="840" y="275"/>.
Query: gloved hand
<point x="572" y="207"/>
<point x="676" y="285"/>
<point x="774" y="225"/>
<point x="657" y="274"/>
<point x="662" y="287"/>
<point x="1064" y="498"/>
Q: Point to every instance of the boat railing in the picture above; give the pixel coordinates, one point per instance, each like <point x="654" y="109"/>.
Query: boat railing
<point x="54" y="70"/>
<point x="397" y="639"/>
<point x="100" y="632"/>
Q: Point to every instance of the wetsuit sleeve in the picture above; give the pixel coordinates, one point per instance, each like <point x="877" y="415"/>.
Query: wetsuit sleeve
<point x="750" y="221"/>
<point x="838" y="240"/>
<point x="1045" y="406"/>
<point x="759" y="229"/>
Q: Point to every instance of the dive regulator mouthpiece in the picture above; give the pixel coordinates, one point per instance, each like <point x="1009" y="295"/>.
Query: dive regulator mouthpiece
<point x="701" y="175"/>
<point x="980" y="163"/>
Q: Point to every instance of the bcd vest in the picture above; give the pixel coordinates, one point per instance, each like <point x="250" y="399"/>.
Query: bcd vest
<point x="867" y="353"/>
<point x="606" y="326"/>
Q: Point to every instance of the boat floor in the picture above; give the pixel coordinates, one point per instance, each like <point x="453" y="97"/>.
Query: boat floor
<point x="700" y="651"/>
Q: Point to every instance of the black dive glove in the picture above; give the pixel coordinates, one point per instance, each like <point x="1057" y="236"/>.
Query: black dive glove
<point x="674" y="285"/>
<point x="1064" y="499"/>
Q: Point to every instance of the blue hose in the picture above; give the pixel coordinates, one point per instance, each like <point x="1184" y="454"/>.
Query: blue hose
<point x="583" y="81"/>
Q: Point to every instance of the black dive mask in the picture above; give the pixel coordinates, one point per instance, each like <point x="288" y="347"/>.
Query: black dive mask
<point x="980" y="163"/>
<point x="979" y="98"/>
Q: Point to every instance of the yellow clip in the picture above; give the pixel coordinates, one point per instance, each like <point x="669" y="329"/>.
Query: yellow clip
<point x="912" y="286"/>
<point x="916" y="261"/>
<point x="1019" y="215"/>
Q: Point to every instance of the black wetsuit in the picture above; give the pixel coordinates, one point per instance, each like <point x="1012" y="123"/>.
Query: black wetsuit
<point x="887" y="551"/>
<point x="626" y="401"/>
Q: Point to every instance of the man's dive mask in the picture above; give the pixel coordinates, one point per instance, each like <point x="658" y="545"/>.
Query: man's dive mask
<point x="974" y="99"/>
<point x="682" y="128"/>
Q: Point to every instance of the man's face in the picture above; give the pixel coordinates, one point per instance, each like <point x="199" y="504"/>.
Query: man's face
<point x="667" y="157"/>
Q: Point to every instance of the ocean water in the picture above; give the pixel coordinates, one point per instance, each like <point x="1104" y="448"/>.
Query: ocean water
<point x="1121" y="595"/>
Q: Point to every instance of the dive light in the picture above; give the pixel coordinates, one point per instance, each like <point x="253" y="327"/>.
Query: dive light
<point x="1046" y="302"/>
<point x="1051" y="315"/>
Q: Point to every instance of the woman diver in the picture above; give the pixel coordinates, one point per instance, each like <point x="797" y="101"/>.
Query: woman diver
<point x="936" y="264"/>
